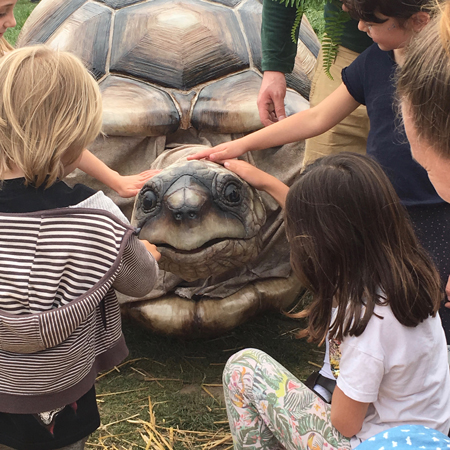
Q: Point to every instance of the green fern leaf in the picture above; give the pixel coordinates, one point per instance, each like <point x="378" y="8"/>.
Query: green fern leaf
<point x="297" y="22"/>
<point x="334" y="27"/>
<point x="297" y="3"/>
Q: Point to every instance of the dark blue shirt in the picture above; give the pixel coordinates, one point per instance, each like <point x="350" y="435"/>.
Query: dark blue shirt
<point x="370" y="79"/>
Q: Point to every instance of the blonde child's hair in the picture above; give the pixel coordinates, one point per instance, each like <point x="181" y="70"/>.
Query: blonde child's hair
<point x="423" y="83"/>
<point x="50" y="110"/>
<point x="5" y="46"/>
<point x="444" y="27"/>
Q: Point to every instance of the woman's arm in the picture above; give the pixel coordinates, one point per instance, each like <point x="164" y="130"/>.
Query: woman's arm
<point x="347" y="415"/>
<point x="125" y="186"/>
<point x="303" y="125"/>
<point x="259" y="179"/>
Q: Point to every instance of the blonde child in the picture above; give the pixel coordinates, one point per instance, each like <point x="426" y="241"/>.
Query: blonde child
<point x="125" y="186"/>
<point x="376" y="295"/>
<point x="63" y="251"/>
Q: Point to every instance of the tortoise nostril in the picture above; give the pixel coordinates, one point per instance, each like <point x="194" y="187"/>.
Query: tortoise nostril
<point x="185" y="215"/>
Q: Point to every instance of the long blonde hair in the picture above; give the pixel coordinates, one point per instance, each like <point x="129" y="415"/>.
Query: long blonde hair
<point x="444" y="27"/>
<point x="50" y="110"/>
<point x="5" y="46"/>
<point x="424" y="83"/>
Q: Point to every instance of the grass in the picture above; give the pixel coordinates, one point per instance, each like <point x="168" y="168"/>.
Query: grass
<point x="168" y="393"/>
<point x="315" y="17"/>
<point x="22" y="10"/>
<point x="181" y="380"/>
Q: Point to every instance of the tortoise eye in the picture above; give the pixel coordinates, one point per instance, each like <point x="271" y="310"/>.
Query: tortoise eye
<point x="232" y="193"/>
<point x="149" y="201"/>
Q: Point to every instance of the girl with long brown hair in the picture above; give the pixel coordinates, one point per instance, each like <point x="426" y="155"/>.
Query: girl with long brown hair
<point x="376" y="294"/>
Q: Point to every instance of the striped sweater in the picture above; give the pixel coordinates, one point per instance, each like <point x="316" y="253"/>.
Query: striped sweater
<point x="59" y="316"/>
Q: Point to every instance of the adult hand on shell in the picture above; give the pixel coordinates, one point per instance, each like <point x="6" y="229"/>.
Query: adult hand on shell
<point x="271" y="98"/>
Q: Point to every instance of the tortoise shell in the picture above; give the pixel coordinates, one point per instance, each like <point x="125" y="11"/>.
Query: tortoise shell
<point x="164" y="65"/>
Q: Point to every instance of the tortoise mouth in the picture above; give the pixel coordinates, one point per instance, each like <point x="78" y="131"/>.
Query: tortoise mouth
<point x="213" y="258"/>
<point x="213" y="242"/>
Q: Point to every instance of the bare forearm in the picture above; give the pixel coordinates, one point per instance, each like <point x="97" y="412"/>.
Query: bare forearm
<point x="277" y="189"/>
<point x="295" y="128"/>
<point x="97" y="169"/>
<point x="125" y="185"/>
<point x="259" y="179"/>
<point x="305" y="124"/>
<point x="347" y="415"/>
<point x="302" y="125"/>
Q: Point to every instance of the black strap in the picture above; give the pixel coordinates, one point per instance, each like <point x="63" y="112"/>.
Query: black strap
<point x="317" y="378"/>
<point x="326" y="383"/>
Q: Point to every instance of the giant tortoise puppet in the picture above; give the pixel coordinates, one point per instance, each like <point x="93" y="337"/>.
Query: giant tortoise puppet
<point x="176" y="75"/>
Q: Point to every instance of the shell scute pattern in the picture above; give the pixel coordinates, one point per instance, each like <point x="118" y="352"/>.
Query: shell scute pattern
<point x="178" y="44"/>
<point x="192" y="60"/>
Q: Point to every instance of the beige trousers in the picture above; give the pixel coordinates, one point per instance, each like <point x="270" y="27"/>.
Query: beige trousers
<point x="351" y="134"/>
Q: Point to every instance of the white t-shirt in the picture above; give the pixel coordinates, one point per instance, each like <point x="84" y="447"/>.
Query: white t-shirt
<point x="402" y="371"/>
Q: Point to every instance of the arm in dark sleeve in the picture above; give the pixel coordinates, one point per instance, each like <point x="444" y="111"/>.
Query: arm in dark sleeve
<point x="138" y="270"/>
<point x="278" y="50"/>
<point x="353" y="77"/>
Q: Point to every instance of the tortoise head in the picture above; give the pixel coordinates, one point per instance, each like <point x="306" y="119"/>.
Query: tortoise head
<point x="204" y="219"/>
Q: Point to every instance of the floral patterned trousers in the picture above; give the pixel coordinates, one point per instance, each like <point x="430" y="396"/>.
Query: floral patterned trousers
<point x="268" y="408"/>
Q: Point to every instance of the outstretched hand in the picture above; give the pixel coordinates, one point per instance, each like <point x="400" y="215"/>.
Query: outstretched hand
<point x="252" y="175"/>
<point x="220" y="153"/>
<point x="271" y="98"/>
<point x="129" y="185"/>
<point x="125" y="186"/>
<point x="259" y="179"/>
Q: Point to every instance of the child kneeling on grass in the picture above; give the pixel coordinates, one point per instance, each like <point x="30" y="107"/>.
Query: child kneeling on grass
<point x="376" y="294"/>
<point x="63" y="253"/>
